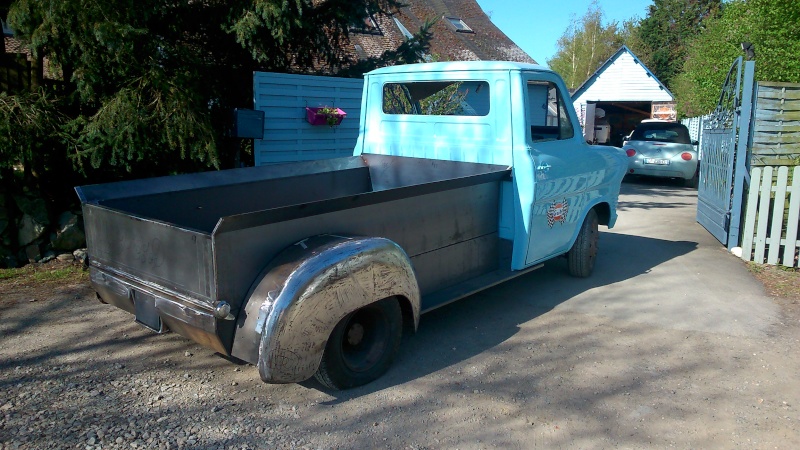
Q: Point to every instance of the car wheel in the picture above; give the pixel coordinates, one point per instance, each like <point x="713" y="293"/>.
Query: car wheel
<point x="583" y="253"/>
<point x="362" y="346"/>
<point x="694" y="181"/>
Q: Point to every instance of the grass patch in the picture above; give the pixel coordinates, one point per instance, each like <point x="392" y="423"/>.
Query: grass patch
<point x="44" y="273"/>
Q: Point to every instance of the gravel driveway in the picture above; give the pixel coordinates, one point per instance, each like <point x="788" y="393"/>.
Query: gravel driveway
<point x="671" y="343"/>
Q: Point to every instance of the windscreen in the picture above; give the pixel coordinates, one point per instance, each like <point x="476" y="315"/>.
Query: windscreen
<point x="662" y="132"/>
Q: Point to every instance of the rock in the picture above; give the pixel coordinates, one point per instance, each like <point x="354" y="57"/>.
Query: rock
<point x="70" y="235"/>
<point x="30" y="229"/>
<point x="80" y="255"/>
<point x="65" y="257"/>
<point x="7" y="258"/>
<point x="34" y="207"/>
<point x="32" y="253"/>
<point x="49" y="256"/>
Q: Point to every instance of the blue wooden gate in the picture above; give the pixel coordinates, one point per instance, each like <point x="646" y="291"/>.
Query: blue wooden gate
<point x="723" y="166"/>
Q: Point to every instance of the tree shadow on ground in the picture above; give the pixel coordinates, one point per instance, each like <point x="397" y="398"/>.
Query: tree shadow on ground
<point x="459" y="331"/>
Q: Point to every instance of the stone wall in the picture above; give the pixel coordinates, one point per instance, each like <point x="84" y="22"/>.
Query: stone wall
<point x="31" y="230"/>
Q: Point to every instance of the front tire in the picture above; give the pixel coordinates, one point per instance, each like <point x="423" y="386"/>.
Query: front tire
<point x="583" y="253"/>
<point x="362" y="346"/>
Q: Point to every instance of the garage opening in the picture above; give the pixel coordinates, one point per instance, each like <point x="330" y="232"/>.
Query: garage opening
<point x="615" y="120"/>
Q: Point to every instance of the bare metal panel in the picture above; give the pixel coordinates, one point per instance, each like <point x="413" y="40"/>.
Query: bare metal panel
<point x="414" y="187"/>
<point x="159" y="231"/>
<point x="418" y="224"/>
<point x="175" y="183"/>
<point x="453" y="264"/>
<point x="201" y="208"/>
<point x="151" y="252"/>
<point x="388" y="172"/>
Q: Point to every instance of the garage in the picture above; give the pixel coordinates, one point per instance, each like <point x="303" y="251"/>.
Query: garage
<point x="619" y="95"/>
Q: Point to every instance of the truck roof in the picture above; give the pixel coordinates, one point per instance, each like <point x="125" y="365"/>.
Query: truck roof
<point x="459" y="66"/>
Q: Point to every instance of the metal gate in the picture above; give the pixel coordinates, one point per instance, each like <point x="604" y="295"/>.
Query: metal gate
<point x="724" y="150"/>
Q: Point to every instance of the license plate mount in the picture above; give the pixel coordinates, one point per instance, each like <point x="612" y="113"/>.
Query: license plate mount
<point x="146" y="313"/>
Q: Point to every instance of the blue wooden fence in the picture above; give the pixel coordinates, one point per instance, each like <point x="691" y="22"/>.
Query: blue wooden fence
<point x="287" y="134"/>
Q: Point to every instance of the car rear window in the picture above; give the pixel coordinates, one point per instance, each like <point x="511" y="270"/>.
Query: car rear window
<point x="662" y="132"/>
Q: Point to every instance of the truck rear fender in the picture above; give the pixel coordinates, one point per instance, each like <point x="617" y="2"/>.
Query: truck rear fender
<point x="307" y="289"/>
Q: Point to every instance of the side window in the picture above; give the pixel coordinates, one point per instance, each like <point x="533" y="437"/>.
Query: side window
<point x="547" y="113"/>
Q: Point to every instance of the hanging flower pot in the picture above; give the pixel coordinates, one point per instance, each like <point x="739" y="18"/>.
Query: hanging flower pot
<point x="325" y="115"/>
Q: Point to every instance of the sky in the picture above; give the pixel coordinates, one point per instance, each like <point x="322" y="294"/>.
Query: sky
<point x="536" y="25"/>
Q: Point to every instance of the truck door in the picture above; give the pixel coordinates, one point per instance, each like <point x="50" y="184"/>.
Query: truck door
<point x="562" y="164"/>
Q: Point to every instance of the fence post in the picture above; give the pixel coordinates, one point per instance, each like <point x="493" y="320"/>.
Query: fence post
<point x="742" y="154"/>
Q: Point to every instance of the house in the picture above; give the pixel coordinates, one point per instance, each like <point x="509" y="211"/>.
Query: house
<point x="19" y="70"/>
<point x="619" y="95"/>
<point x="463" y="32"/>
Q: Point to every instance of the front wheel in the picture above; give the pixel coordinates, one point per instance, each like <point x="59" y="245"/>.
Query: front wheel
<point x="583" y="253"/>
<point x="362" y="346"/>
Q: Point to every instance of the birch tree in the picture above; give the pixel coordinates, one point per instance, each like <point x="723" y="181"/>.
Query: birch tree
<point x="585" y="45"/>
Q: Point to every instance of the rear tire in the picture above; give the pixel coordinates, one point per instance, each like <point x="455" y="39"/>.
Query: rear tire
<point x="694" y="181"/>
<point x="362" y="346"/>
<point x="583" y="253"/>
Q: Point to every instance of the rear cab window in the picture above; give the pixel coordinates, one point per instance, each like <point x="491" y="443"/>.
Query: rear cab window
<point x="437" y="98"/>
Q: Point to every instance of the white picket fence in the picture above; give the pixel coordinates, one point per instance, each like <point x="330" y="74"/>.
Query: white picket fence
<point x="770" y="229"/>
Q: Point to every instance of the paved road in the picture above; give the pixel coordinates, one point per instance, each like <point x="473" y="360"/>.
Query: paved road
<point x="671" y="343"/>
<point x="660" y="267"/>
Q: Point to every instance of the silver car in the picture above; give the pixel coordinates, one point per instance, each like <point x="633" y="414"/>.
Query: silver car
<point x="662" y="149"/>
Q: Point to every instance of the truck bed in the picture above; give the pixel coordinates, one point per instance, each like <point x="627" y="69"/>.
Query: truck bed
<point x="204" y="237"/>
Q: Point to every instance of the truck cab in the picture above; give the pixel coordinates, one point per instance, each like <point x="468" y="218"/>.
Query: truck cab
<point x="506" y="113"/>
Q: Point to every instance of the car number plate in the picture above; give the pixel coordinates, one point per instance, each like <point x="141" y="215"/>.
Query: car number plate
<point x="661" y="162"/>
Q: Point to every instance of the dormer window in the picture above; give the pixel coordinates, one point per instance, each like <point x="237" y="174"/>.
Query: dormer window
<point x="459" y="25"/>
<point x="7" y="31"/>
<point x="366" y="26"/>
<point x="362" y="55"/>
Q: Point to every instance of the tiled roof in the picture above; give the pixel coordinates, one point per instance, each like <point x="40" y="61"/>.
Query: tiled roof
<point x="484" y="42"/>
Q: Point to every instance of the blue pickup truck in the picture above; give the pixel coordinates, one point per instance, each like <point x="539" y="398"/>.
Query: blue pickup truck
<point x="465" y="174"/>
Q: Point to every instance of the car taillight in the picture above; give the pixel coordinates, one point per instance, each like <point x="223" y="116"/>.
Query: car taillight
<point x="686" y="156"/>
<point x="630" y="152"/>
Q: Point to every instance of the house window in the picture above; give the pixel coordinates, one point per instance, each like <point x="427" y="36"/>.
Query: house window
<point x="7" y="31"/>
<point x="437" y="98"/>
<point x="368" y="25"/>
<point x="459" y="25"/>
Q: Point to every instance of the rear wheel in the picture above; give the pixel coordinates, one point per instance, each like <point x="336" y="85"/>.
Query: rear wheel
<point x="362" y="346"/>
<point x="583" y="253"/>
<point x="694" y="181"/>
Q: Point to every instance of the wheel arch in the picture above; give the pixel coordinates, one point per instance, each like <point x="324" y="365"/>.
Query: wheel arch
<point x="604" y="217"/>
<point x="300" y="297"/>
<point x="603" y="210"/>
